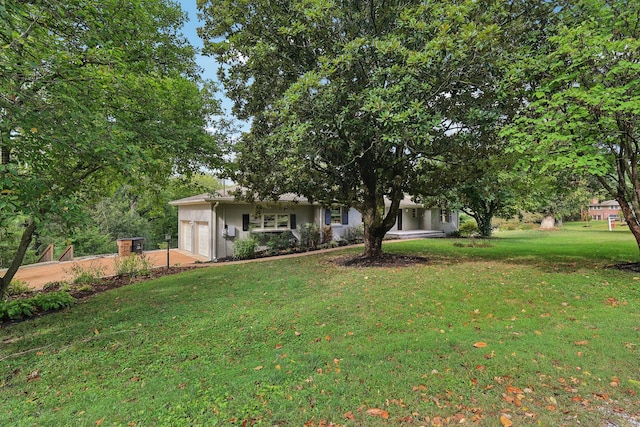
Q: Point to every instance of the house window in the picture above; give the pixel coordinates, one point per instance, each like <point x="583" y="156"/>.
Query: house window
<point x="269" y="221"/>
<point x="272" y="221"/>
<point x="282" y="221"/>
<point x="336" y="216"/>
<point x="444" y="215"/>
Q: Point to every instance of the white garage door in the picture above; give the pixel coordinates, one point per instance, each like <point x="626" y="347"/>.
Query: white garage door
<point x="187" y="236"/>
<point x="203" y="239"/>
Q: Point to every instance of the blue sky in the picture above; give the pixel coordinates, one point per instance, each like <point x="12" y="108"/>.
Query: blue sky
<point x="209" y="65"/>
<point x="189" y="31"/>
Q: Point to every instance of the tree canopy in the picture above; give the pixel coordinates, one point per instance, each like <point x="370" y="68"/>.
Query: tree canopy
<point x="94" y="94"/>
<point x="584" y="115"/>
<point x="345" y="97"/>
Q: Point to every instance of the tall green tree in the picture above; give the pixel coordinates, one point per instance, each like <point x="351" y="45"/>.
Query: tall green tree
<point x="479" y="184"/>
<point x="586" y="112"/>
<point x="345" y="97"/>
<point x="94" y="94"/>
<point x="473" y="171"/>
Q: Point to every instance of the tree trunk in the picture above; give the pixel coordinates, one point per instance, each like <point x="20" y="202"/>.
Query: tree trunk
<point x="630" y="218"/>
<point x="25" y="240"/>
<point x="548" y="222"/>
<point x="376" y="224"/>
<point x="373" y="242"/>
<point x="484" y="225"/>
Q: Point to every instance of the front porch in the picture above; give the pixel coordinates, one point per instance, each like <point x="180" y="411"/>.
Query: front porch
<point x="414" y="234"/>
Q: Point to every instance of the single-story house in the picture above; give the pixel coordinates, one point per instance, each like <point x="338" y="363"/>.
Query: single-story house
<point x="603" y="210"/>
<point x="208" y="224"/>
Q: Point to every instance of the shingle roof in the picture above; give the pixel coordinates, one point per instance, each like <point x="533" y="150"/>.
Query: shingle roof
<point x="228" y="195"/>
<point x="606" y="203"/>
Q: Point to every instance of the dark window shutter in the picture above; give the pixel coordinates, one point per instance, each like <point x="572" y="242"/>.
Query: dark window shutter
<point x="245" y="222"/>
<point x="327" y="217"/>
<point x="345" y="216"/>
<point x="292" y="221"/>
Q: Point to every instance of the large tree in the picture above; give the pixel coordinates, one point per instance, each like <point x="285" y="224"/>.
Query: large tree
<point x="585" y="115"/>
<point x="93" y="94"/>
<point x="345" y="97"/>
<point x="475" y="171"/>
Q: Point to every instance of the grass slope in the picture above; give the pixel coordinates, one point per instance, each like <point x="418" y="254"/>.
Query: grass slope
<point x="533" y="330"/>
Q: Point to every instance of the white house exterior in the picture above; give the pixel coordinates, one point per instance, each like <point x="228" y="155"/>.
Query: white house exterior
<point x="208" y="224"/>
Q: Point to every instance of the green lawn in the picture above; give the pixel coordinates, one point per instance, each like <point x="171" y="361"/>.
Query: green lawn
<point x="533" y="330"/>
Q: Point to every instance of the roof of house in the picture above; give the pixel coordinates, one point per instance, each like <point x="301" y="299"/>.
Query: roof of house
<point x="228" y="195"/>
<point x="606" y="203"/>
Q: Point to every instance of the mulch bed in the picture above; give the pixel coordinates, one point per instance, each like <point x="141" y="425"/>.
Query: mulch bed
<point x="387" y="260"/>
<point x="106" y="283"/>
<point x="80" y="292"/>
<point x="633" y="267"/>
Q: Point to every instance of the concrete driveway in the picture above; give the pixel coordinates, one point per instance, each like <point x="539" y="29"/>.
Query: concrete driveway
<point x="37" y="275"/>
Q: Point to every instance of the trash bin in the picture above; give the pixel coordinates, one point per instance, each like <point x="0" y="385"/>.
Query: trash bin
<point x="130" y="245"/>
<point x="137" y="245"/>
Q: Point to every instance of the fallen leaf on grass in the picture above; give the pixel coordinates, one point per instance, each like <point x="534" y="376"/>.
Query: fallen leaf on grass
<point x="480" y="344"/>
<point x="100" y="421"/>
<point x="349" y="415"/>
<point x="583" y="342"/>
<point x="506" y="422"/>
<point x="514" y="390"/>
<point x="376" y="412"/>
<point x="33" y="376"/>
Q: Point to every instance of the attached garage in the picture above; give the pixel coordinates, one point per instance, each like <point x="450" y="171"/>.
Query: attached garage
<point x="203" y="238"/>
<point x="187" y="236"/>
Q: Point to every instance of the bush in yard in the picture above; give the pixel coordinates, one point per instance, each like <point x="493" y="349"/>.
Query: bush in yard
<point x="468" y="228"/>
<point x="327" y="234"/>
<point x="86" y="275"/>
<point x="17" y="287"/>
<point x="132" y="265"/>
<point x="281" y="241"/>
<point x="309" y="236"/>
<point x="21" y="308"/>
<point x="354" y="234"/>
<point x="53" y="301"/>
<point x="244" y="248"/>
